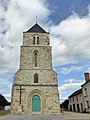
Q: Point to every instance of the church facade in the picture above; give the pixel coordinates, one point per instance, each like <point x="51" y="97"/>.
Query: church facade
<point x="35" y="88"/>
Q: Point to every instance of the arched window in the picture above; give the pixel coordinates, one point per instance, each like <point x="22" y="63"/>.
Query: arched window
<point x="35" y="78"/>
<point x="35" y="58"/>
<point x="34" y="40"/>
<point x="37" y="40"/>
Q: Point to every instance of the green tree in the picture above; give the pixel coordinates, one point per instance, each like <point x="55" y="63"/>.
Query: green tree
<point x="3" y="101"/>
<point x="65" y="104"/>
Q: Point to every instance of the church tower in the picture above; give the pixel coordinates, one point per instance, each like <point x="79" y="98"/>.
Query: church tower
<point x="35" y="89"/>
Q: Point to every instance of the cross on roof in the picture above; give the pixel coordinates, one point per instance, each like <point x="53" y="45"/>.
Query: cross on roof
<point x="36" y="19"/>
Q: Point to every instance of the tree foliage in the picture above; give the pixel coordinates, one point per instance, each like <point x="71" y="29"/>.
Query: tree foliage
<point x="65" y="104"/>
<point x="3" y="101"/>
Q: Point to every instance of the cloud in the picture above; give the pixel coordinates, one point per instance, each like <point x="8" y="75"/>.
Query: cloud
<point x="69" y="85"/>
<point x="8" y="97"/>
<point x="71" y="39"/>
<point x="67" y="47"/>
<point x="67" y="70"/>
<point x="71" y="81"/>
<point x="5" y="89"/>
<point x="15" y="17"/>
<point x="5" y="85"/>
<point x="65" y="87"/>
<point x="88" y="69"/>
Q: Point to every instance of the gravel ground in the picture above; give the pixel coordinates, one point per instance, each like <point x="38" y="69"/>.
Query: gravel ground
<point x="65" y="116"/>
<point x="33" y="117"/>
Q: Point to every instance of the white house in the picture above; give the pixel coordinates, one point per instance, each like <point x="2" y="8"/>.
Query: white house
<point x="79" y="101"/>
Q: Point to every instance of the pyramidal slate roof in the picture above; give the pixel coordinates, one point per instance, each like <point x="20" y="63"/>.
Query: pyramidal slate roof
<point x="37" y="28"/>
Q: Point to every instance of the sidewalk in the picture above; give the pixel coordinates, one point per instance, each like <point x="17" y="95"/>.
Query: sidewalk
<point x="76" y="116"/>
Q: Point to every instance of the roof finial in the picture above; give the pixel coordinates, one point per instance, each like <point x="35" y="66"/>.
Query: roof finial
<point x="36" y="19"/>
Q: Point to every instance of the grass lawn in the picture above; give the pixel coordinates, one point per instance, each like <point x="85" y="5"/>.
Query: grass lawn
<point x="4" y="113"/>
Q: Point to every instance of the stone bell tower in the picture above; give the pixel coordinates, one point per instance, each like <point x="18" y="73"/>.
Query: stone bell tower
<point x="35" y="89"/>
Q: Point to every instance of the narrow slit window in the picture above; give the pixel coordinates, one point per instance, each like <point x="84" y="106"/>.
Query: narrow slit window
<point x="34" y="40"/>
<point x="37" y="40"/>
<point x="35" y="59"/>
<point x="35" y="55"/>
<point x="35" y="78"/>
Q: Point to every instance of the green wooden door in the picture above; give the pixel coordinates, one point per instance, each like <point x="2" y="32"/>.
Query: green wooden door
<point x="36" y="103"/>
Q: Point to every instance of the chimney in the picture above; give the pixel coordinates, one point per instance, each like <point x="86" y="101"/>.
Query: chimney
<point x="86" y="76"/>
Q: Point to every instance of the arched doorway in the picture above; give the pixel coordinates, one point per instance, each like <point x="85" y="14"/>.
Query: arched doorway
<point x="42" y="97"/>
<point x="36" y="103"/>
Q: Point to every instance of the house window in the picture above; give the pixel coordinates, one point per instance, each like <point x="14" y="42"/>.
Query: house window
<point x="85" y="91"/>
<point x="77" y="98"/>
<point x="35" y="78"/>
<point x="37" y="40"/>
<point x="34" y="40"/>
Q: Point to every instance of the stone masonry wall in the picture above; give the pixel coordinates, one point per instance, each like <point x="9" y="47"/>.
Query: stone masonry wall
<point x="44" y="76"/>
<point x="49" y="99"/>
<point x="44" y="58"/>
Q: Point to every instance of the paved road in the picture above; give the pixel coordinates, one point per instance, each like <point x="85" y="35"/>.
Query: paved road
<point x="65" y="116"/>
<point x="34" y="117"/>
<point x="76" y="116"/>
